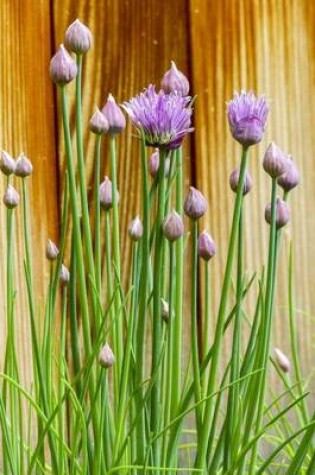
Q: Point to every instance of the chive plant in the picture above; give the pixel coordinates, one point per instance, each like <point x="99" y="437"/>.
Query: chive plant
<point x="112" y="391"/>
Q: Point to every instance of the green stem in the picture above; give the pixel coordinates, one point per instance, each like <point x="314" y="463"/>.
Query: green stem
<point x="178" y="308"/>
<point x="168" y="361"/>
<point x="271" y="271"/>
<point x="143" y="305"/>
<point x="116" y="255"/>
<point x="127" y="359"/>
<point x="157" y="319"/>
<point x="208" y="415"/>
<point x="82" y="185"/>
<point x="194" y="325"/>
<point x="206" y="324"/>
<point x="97" y="207"/>
<point x="233" y="415"/>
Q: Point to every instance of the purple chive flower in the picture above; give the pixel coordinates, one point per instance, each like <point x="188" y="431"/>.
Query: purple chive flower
<point x="247" y="116"/>
<point x="163" y="118"/>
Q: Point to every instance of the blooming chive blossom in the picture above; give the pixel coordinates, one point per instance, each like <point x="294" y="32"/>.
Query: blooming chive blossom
<point x="164" y="119"/>
<point x="247" y="116"/>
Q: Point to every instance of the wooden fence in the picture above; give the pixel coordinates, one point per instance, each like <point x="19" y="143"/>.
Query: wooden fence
<point x="222" y="45"/>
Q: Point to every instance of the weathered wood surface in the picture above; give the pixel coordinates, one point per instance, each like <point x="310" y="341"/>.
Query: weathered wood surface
<point x="27" y="119"/>
<point x="222" y="46"/>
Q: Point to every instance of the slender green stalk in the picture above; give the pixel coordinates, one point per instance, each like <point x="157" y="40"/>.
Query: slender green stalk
<point x="143" y="305"/>
<point x="157" y="320"/>
<point x="126" y="361"/>
<point x="77" y="241"/>
<point x="116" y="254"/>
<point x="208" y="416"/>
<point x="293" y="339"/>
<point x="194" y="325"/>
<point x="82" y="181"/>
<point x="271" y="271"/>
<point x="61" y="389"/>
<point x="233" y="415"/>
<point x="206" y="323"/>
<point x="97" y="207"/>
<point x="76" y="223"/>
<point x="169" y="382"/>
<point x="178" y="307"/>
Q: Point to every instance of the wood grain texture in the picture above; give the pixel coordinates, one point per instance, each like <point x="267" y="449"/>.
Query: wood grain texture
<point x="268" y="47"/>
<point x="27" y="124"/>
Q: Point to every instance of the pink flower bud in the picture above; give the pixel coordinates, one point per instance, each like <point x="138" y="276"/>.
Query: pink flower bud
<point x="206" y="246"/>
<point x="63" y="68"/>
<point x="98" y="123"/>
<point x="52" y="250"/>
<point x="283" y="213"/>
<point x="165" y="310"/>
<point x="195" y="204"/>
<point x="234" y="179"/>
<point x="78" y="37"/>
<point x="274" y="161"/>
<point x="290" y="178"/>
<point x="23" y="166"/>
<point x="282" y="360"/>
<point x="154" y="162"/>
<point x="64" y="275"/>
<point x="175" y="81"/>
<point x="135" y="229"/>
<point x="106" y="357"/>
<point x="7" y="163"/>
<point x="173" y="226"/>
<point x="11" y="197"/>
<point x="106" y="194"/>
<point x="115" y="118"/>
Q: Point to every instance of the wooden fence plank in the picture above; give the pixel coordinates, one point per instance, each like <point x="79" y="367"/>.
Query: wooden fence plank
<point x="267" y="46"/>
<point x="27" y="124"/>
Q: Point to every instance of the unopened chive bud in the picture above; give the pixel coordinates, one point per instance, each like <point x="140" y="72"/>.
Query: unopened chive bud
<point x="63" y="68"/>
<point x="52" y="250"/>
<point x="115" y="118"/>
<point x="78" y="37"/>
<point x="11" y="197"/>
<point x="7" y="163"/>
<point x="98" y="123"/>
<point x="106" y="194"/>
<point x="154" y="163"/>
<point x="195" y="204"/>
<point x="283" y="213"/>
<point x="290" y="178"/>
<point x="206" y="246"/>
<point x="23" y="166"/>
<point x="135" y="229"/>
<point x="64" y="275"/>
<point x="234" y="179"/>
<point x="282" y="360"/>
<point x="175" y="81"/>
<point x="165" y="310"/>
<point x="106" y="357"/>
<point x="173" y="226"/>
<point x="274" y="161"/>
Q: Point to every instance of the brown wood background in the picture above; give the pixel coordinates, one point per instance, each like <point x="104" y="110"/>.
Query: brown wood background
<point x="222" y="45"/>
